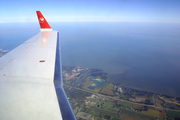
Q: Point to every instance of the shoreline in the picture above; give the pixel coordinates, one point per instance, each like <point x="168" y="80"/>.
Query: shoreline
<point x="141" y="89"/>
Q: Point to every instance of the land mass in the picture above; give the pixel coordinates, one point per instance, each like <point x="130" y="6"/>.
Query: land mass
<point x="93" y="97"/>
<point x="3" y="52"/>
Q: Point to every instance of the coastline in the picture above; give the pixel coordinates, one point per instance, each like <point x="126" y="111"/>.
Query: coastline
<point x="148" y="85"/>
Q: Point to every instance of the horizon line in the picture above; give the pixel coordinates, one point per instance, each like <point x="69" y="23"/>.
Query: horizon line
<point x="95" y="20"/>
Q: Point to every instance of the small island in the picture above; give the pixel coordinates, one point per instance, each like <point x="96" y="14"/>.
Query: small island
<point x="93" y="97"/>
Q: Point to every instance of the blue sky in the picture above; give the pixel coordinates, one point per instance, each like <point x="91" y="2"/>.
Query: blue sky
<point x="91" y="10"/>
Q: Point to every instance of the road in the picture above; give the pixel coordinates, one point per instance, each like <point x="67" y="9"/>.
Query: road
<point x="119" y="99"/>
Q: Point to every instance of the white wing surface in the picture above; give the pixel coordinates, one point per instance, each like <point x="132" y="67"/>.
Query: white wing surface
<point x="30" y="79"/>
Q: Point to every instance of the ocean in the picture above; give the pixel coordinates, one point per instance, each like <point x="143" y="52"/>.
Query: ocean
<point x="140" y="55"/>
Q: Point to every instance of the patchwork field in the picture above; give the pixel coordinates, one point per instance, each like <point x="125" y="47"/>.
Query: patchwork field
<point x="129" y="105"/>
<point x="108" y="89"/>
<point x="108" y="105"/>
<point x="151" y="112"/>
<point x="170" y="100"/>
<point x="136" y="115"/>
<point x="173" y="114"/>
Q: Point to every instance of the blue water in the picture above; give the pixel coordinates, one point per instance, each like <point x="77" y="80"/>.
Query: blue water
<point x="142" y="55"/>
<point x="95" y="70"/>
<point x="92" y="87"/>
<point x="99" y="84"/>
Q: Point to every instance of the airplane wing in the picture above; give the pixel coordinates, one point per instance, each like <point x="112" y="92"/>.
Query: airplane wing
<point x="31" y="86"/>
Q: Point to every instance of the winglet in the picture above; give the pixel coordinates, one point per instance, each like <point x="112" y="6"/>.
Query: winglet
<point x="43" y="23"/>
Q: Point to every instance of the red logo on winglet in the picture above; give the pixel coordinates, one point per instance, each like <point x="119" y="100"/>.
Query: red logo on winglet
<point x="42" y="21"/>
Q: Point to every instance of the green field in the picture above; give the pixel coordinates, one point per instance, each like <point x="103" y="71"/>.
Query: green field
<point x="106" y="112"/>
<point x="172" y="106"/>
<point x="108" y="105"/>
<point x="100" y="113"/>
<point x="129" y="105"/>
<point x="173" y="114"/>
<point x="137" y="115"/>
<point x="151" y="112"/>
<point x="79" y="95"/>
<point x="159" y="101"/>
<point x="108" y="89"/>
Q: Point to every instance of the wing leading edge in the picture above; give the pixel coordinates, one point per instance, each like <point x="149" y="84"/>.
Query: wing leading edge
<point x="31" y="79"/>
